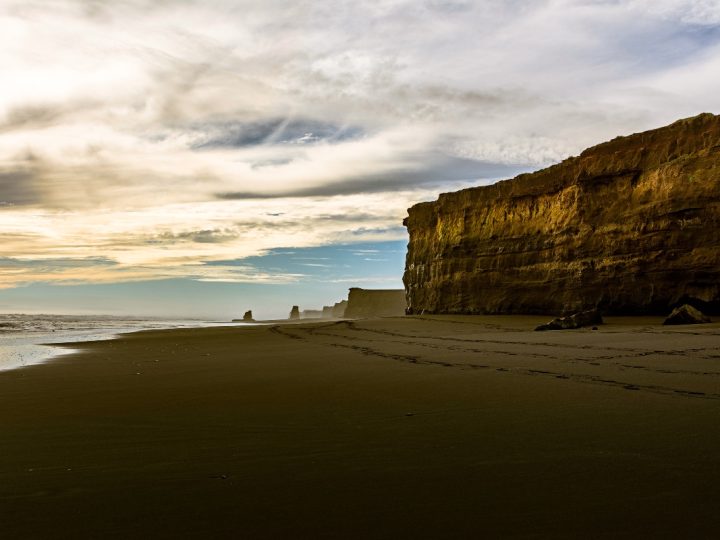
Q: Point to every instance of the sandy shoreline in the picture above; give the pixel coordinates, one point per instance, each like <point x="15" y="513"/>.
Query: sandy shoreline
<point x="427" y="427"/>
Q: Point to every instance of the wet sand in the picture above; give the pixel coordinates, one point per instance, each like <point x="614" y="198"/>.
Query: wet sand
<point x="428" y="427"/>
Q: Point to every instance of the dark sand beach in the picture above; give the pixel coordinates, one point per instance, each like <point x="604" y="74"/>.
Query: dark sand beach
<point x="435" y="427"/>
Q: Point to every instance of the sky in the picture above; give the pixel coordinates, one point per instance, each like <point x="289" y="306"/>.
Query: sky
<point x="200" y="158"/>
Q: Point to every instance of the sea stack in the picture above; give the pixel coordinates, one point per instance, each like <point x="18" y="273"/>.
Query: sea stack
<point x="629" y="226"/>
<point x="248" y="317"/>
<point x="294" y="313"/>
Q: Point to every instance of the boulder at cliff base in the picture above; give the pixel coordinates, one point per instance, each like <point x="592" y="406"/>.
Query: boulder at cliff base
<point x="686" y="314"/>
<point x="577" y="320"/>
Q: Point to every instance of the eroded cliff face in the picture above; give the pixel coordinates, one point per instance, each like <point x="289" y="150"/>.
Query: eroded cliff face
<point x="629" y="226"/>
<point x="375" y="303"/>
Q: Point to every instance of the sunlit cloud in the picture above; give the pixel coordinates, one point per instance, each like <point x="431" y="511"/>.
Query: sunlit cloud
<point x="140" y="140"/>
<point x="176" y="240"/>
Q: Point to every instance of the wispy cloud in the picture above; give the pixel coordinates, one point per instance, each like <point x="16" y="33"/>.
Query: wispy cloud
<point x="160" y="135"/>
<point x="177" y="240"/>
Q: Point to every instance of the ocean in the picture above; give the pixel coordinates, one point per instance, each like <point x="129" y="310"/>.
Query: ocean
<point x="24" y="339"/>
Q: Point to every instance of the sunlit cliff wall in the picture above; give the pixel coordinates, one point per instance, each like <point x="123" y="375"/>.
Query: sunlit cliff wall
<point x="629" y="226"/>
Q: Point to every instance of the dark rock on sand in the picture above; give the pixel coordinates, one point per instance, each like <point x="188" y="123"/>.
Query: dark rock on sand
<point x="294" y="313"/>
<point x="577" y="320"/>
<point x="686" y="314"/>
<point x="629" y="226"/>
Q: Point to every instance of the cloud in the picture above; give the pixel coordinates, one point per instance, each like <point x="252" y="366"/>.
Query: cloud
<point x="16" y="188"/>
<point x="53" y="264"/>
<point x="336" y="262"/>
<point x="437" y="170"/>
<point x="205" y="236"/>
<point x="161" y="242"/>
<point x="162" y="134"/>
<point x="277" y="131"/>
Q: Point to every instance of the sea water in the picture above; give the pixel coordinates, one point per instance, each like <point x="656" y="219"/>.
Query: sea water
<point x="25" y="339"/>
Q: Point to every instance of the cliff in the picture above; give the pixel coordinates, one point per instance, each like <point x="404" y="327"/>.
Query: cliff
<point x="375" y="303"/>
<point x="336" y="311"/>
<point x="629" y="226"/>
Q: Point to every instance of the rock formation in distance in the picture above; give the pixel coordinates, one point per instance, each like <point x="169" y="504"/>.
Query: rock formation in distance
<point x="629" y="226"/>
<point x="336" y="311"/>
<point x="375" y="303"/>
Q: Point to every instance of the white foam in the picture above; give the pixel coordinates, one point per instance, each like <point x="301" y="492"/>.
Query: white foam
<point x="25" y="339"/>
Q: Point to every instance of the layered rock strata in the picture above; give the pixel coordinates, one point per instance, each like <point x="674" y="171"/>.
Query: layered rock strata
<point x="629" y="226"/>
<point x="375" y="303"/>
